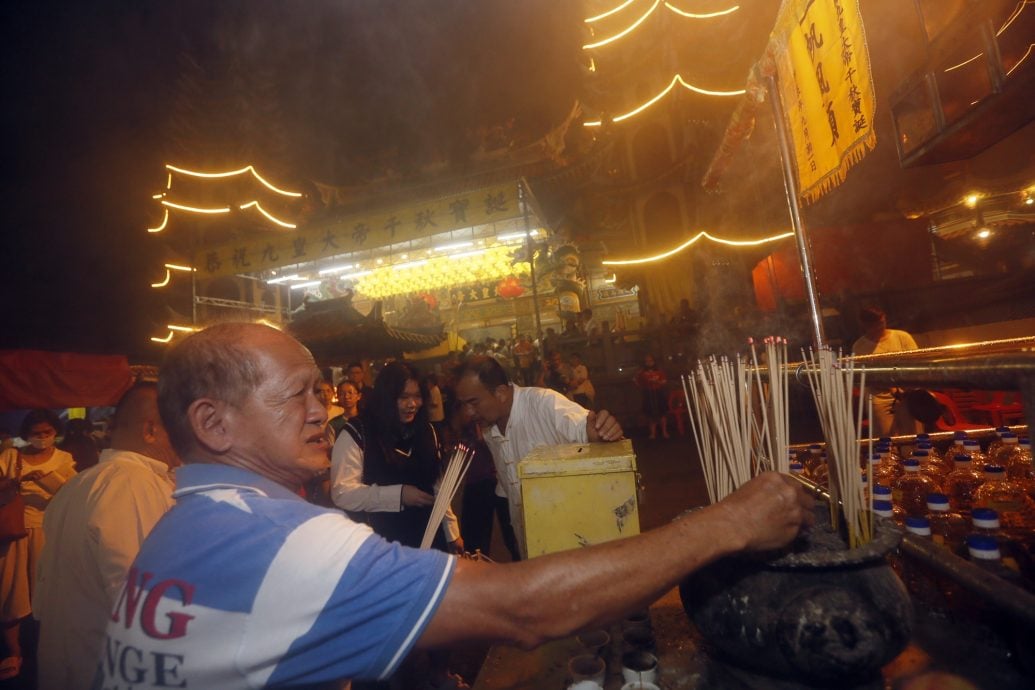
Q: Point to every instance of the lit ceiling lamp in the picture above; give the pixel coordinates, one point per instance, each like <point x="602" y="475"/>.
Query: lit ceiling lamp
<point x="478" y="266"/>
<point x="982" y="231"/>
<point x="336" y="269"/>
<point x="510" y="236"/>
<point x="695" y="238"/>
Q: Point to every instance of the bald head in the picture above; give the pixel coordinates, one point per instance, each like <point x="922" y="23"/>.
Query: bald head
<point x="221" y="362"/>
<point x="138" y="427"/>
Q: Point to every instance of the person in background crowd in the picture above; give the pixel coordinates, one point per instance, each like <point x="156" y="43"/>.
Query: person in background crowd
<point x="317" y="490"/>
<point x="653" y="385"/>
<point x="588" y="324"/>
<point x="555" y="374"/>
<point x="516" y="420"/>
<point x="580" y="388"/>
<point x="355" y="373"/>
<point x="348" y="398"/>
<point x="43" y="469"/>
<point x="94" y="528"/>
<point x="387" y="464"/>
<point x="284" y="593"/>
<point x="436" y="407"/>
<point x="79" y="443"/>
<point x="890" y="416"/>
<point x="327" y="398"/>
<point x="524" y="356"/>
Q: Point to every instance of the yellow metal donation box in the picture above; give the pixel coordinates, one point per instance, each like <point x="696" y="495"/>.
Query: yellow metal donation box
<point x="578" y="494"/>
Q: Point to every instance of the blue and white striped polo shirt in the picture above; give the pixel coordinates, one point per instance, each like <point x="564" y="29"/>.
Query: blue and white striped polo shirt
<point x="245" y="585"/>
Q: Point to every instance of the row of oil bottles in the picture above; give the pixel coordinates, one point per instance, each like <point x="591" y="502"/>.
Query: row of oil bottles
<point x="977" y="503"/>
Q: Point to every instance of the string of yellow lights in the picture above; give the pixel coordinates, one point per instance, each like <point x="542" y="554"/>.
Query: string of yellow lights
<point x="269" y="216"/>
<point x="195" y="209"/>
<point x="231" y="173"/>
<point x="173" y="330"/>
<point x="678" y="79"/>
<point x="706" y="15"/>
<point x="695" y="238"/>
<point x="163" y="283"/>
<point x="169" y="268"/>
<point x="614" y="10"/>
<point x="626" y="31"/>
<point x="161" y="226"/>
<point x="1021" y="6"/>
<point x="632" y="27"/>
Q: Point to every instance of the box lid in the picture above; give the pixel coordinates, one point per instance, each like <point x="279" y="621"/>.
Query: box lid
<point x="578" y="458"/>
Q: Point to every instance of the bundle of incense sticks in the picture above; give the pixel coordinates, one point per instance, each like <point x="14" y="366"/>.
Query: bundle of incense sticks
<point x="451" y="481"/>
<point x="832" y="383"/>
<point x="719" y="398"/>
<point x="775" y="431"/>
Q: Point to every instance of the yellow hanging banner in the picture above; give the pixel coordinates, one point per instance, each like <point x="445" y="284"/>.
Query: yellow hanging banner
<point x="823" y="71"/>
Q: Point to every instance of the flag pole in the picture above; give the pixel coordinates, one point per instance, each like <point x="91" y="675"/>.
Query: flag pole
<point x="790" y="185"/>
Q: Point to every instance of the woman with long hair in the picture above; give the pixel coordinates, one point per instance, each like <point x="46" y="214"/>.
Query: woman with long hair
<point x="385" y="466"/>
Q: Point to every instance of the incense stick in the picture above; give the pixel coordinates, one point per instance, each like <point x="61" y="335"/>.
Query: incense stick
<point x="719" y="400"/>
<point x="832" y="382"/>
<point x="451" y="480"/>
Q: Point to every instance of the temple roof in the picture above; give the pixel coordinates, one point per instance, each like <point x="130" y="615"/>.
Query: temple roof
<point x="334" y="330"/>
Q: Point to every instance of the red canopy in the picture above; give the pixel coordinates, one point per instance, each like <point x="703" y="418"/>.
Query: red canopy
<point x="33" y="378"/>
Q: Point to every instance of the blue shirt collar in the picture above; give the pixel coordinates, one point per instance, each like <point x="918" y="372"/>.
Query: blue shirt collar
<point x="203" y="476"/>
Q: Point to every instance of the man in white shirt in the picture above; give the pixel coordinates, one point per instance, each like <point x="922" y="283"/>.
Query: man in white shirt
<point x="890" y="416"/>
<point x="517" y="420"/>
<point x="94" y="528"/>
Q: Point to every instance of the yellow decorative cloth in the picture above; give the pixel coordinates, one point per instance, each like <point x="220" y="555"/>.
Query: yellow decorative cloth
<point x="818" y="48"/>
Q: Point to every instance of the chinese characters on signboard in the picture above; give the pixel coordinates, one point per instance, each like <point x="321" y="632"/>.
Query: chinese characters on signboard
<point x="354" y="233"/>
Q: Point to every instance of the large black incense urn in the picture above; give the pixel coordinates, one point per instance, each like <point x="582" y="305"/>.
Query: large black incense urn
<point x="820" y="615"/>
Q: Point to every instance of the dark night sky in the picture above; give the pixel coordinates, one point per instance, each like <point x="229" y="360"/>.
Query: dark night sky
<point x="90" y="89"/>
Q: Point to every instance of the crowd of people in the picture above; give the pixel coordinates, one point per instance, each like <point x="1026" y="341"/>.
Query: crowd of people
<point x="188" y="554"/>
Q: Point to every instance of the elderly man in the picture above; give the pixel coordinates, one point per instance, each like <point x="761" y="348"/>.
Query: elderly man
<point x="94" y="528"/>
<point x="245" y="585"/>
<point x="517" y="420"/>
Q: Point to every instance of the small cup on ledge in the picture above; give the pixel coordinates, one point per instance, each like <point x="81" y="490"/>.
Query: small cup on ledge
<point x="639" y="666"/>
<point x="637" y="619"/>
<point x="594" y="641"/>
<point x="587" y="667"/>
<point x="638" y="640"/>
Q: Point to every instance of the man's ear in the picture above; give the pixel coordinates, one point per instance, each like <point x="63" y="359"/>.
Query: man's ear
<point x="149" y="431"/>
<point x="210" y="424"/>
<point x="501" y="392"/>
